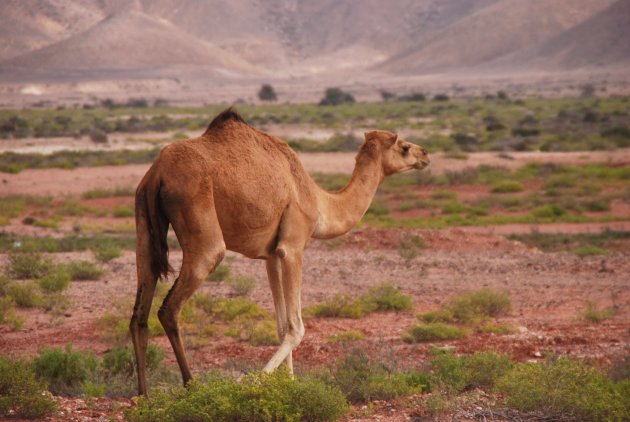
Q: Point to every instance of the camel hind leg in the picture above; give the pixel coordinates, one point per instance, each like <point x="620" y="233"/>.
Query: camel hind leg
<point x="138" y="326"/>
<point x="200" y="237"/>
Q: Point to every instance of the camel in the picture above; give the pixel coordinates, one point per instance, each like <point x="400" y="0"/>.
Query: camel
<point x="237" y="188"/>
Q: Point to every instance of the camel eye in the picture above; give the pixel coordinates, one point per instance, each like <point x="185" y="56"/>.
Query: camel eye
<point x="405" y="149"/>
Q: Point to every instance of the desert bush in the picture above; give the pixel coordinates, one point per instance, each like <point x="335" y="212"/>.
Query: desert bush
<point x="21" y="392"/>
<point x="340" y="306"/>
<point x="386" y="297"/>
<point x="440" y="97"/>
<point x="242" y="285"/>
<point x="25" y="294"/>
<point x="551" y="211"/>
<point x="483" y="303"/>
<point x="508" y="186"/>
<point x="261" y="333"/>
<point x="383" y="297"/>
<point x="336" y="96"/>
<point x="84" y="270"/>
<point x="410" y="247"/>
<point x="108" y="193"/>
<point x="122" y="211"/>
<point x="106" y="252"/>
<point x="363" y="380"/>
<point x="567" y="387"/>
<point x="593" y="314"/>
<point x="121" y="360"/>
<point x="64" y="370"/>
<point x="414" y="96"/>
<point x="28" y="265"/>
<point x="258" y="396"/>
<point x="267" y="93"/>
<point x="480" y="370"/>
<point x="98" y="136"/>
<point x="221" y="273"/>
<point x="57" y="280"/>
<point x="237" y="308"/>
<point x="433" y="331"/>
<point x="588" y="250"/>
<point x="378" y="207"/>
<point x="469" y="308"/>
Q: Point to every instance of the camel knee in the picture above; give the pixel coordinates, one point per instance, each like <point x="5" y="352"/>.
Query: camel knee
<point x="295" y="334"/>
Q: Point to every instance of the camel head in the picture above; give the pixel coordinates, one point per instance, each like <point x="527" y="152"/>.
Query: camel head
<point x="397" y="155"/>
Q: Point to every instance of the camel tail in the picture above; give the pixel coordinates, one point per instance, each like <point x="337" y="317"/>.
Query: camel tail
<point x="151" y="229"/>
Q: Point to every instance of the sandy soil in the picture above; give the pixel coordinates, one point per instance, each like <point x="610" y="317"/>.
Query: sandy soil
<point x="64" y="182"/>
<point x="549" y="291"/>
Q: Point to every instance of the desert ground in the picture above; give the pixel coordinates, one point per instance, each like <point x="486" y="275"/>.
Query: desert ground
<point x="549" y="291"/>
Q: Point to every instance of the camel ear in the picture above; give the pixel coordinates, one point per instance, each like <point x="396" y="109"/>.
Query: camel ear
<point x="387" y="139"/>
<point x="370" y="135"/>
<point x="391" y="140"/>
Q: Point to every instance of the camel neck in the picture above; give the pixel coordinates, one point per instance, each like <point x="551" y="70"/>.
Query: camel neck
<point x="340" y="211"/>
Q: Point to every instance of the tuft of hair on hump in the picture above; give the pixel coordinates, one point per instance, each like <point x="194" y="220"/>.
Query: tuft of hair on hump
<point x="222" y="118"/>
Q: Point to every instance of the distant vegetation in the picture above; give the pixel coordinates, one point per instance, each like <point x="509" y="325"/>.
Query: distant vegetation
<point x="494" y="123"/>
<point x="267" y="93"/>
<point x="336" y="96"/>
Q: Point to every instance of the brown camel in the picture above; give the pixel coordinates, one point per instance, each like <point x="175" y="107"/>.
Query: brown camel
<point x="241" y="189"/>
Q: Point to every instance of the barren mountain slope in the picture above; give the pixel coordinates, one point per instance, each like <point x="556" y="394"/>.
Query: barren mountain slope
<point x="327" y="39"/>
<point x="602" y="40"/>
<point x="494" y="31"/>
<point x="130" y="40"/>
<point x="27" y="25"/>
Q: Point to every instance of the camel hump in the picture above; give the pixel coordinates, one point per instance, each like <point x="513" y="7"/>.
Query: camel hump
<point x="227" y="115"/>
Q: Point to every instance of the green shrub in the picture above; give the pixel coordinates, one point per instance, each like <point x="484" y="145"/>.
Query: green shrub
<point x="24" y="293"/>
<point x="483" y="303"/>
<point x="363" y="380"/>
<point x="386" y="297"/>
<point x="221" y="273"/>
<point x="469" y="308"/>
<point x="336" y="96"/>
<point x="593" y="314"/>
<point x="106" y="252"/>
<point x="340" y="306"/>
<point x="21" y="393"/>
<point x="433" y="331"/>
<point x="121" y="360"/>
<point x="261" y="333"/>
<point x="565" y="387"/>
<point x="122" y="211"/>
<point x="480" y="370"/>
<point x="258" y="396"/>
<point x="552" y="211"/>
<point x="383" y="297"/>
<point x="508" y="186"/>
<point x="242" y="285"/>
<point x="28" y="265"/>
<point x="238" y="308"/>
<point x="84" y="270"/>
<point x="64" y="371"/>
<point x="588" y="250"/>
<point x="410" y="247"/>
<point x="57" y="280"/>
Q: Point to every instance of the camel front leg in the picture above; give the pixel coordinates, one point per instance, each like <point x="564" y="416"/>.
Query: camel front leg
<point x="291" y="282"/>
<point x="274" y="269"/>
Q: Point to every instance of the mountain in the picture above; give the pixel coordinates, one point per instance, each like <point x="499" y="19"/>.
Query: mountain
<point x="284" y="39"/>
<point x="602" y="40"/>
<point x="492" y="32"/>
